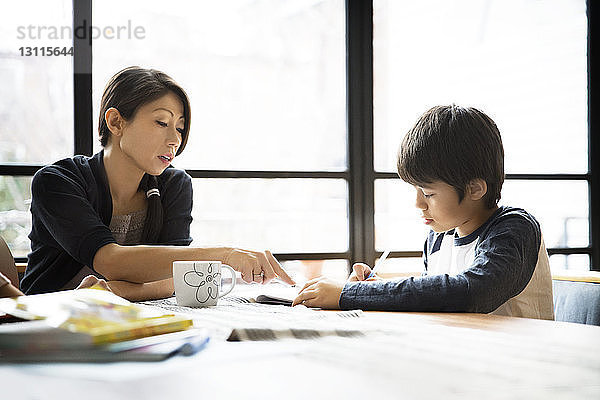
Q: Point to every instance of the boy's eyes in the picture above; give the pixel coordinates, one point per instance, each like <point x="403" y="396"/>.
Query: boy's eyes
<point x="426" y="195"/>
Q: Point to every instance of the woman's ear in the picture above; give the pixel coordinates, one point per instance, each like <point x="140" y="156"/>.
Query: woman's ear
<point x="114" y="121"/>
<point x="476" y="189"/>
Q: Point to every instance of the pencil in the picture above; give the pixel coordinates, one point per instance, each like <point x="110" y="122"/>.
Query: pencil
<point x="379" y="263"/>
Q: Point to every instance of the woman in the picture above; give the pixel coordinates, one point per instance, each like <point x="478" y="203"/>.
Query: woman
<point x="124" y="214"/>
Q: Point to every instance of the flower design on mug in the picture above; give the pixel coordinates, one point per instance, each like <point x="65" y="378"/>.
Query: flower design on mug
<point x="199" y="279"/>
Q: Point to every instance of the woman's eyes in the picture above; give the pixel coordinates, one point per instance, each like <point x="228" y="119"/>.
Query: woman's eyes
<point x="427" y="195"/>
<point x="164" y="125"/>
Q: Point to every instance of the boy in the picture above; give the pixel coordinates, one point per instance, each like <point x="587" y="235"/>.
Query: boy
<point x="478" y="257"/>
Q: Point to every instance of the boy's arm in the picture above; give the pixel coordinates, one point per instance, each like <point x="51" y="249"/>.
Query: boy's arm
<point x="427" y="293"/>
<point x="504" y="263"/>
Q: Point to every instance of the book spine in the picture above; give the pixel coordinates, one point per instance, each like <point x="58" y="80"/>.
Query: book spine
<point x="139" y="329"/>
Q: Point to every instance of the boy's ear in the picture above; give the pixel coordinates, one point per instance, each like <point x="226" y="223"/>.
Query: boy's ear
<point x="114" y="121"/>
<point x="476" y="189"/>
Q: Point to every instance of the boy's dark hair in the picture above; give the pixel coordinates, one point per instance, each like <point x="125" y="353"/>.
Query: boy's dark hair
<point x="454" y="145"/>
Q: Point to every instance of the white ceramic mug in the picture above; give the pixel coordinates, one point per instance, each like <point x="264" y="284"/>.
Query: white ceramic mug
<point x="198" y="283"/>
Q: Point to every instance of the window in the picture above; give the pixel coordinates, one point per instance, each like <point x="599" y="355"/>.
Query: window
<point x="523" y="63"/>
<point x="36" y="106"/>
<point x="299" y="108"/>
<point x="266" y="82"/>
<point x="266" y="79"/>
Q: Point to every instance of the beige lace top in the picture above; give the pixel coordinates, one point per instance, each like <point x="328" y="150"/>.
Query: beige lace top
<point x="128" y="228"/>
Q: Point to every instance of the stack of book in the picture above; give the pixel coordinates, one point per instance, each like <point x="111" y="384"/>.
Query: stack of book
<point x="91" y="325"/>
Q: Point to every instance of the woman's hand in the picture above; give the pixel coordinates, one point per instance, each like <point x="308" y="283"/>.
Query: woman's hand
<point x="320" y="292"/>
<point x="256" y="266"/>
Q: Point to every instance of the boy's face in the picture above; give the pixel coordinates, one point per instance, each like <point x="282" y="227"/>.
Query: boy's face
<point x="441" y="210"/>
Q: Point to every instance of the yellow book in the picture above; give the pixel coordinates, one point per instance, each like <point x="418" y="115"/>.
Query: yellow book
<point x="80" y="318"/>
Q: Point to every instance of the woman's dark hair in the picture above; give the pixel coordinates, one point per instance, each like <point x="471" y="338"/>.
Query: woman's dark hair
<point x="454" y="145"/>
<point x="127" y="91"/>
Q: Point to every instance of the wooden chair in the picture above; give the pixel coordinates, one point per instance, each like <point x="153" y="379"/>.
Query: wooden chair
<point x="7" y="264"/>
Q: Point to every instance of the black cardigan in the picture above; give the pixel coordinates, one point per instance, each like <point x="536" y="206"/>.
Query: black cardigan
<point x="71" y="210"/>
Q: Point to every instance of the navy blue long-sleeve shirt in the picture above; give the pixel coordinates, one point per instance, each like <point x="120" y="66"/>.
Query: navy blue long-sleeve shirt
<point x="501" y="267"/>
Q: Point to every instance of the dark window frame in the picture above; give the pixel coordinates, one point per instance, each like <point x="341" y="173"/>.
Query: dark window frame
<point x="360" y="174"/>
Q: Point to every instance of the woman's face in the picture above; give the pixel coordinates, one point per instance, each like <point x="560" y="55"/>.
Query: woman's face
<point x="152" y="137"/>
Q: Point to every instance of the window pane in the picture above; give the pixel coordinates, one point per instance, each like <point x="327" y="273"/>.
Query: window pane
<point x="304" y="270"/>
<point x="15" y="219"/>
<point x="282" y="215"/>
<point x="398" y="267"/>
<point x="398" y="225"/>
<point x="36" y="105"/>
<point x="577" y="262"/>
<point x="522" y="62"/>
<point x="561" y="208"/>
<point x="266" y="79"/>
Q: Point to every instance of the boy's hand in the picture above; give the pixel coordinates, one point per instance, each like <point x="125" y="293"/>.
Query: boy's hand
<point x="320" y="292"/>
<point x="360" y="272"/>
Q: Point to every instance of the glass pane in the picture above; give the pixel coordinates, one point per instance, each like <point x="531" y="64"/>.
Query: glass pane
<point x="304" y="270"/>
<point x="522" y="62"/>
<point x="15" y="219"/>
<point x="282" y="215"/>
<point x="266" y="79"/>
<point x="398" y="225"/>
<point x="577" y="262"/>
<point x="36" y="105"/>
<point x="561" y="208"/>
<point x="398" y="267"/>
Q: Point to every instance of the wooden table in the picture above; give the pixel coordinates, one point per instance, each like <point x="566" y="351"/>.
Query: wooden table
<point x="415" y="356"/>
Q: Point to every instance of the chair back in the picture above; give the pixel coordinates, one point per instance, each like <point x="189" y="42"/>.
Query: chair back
<point x="576" y="301"/>
<point x="7" y="264"/>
